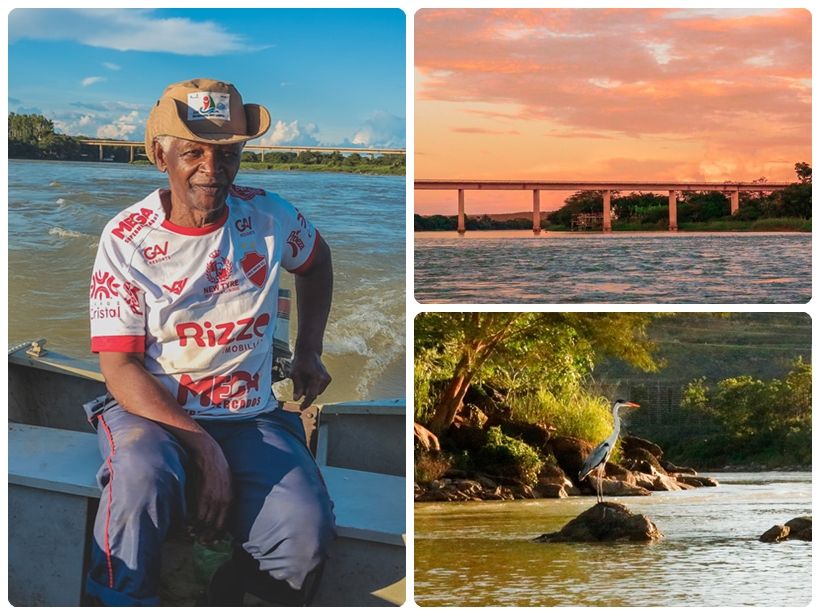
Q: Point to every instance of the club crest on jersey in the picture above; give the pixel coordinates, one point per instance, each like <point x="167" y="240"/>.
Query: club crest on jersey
<point x="219" y="269"/>
<point x="255" y="267"/>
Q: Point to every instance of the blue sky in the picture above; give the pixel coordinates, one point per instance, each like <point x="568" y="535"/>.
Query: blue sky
<point x="328" y="77"/>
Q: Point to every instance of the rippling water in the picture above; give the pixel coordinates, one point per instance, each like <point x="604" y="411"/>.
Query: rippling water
<point x="57" y="210"/>
<point x="481" y="554"/>
<point x="517" y="267"/>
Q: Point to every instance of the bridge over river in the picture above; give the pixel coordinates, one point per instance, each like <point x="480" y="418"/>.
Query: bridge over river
<point x="134" y="148"/>
<point x="733" y="189"/>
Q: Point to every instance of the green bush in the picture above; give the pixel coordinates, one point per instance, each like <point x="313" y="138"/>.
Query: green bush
<point x="431" y="466"/>
<point x="504" y="456"/>
<point x="762" y="422"/>
<point x="579" y="415"/>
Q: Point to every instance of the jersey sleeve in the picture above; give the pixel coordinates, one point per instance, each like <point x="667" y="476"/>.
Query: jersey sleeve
<point x="116" y="303"/>
<point x="299" y="237"/>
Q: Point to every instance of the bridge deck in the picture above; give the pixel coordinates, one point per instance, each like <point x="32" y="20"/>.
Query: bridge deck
<point x="507" y="184"/>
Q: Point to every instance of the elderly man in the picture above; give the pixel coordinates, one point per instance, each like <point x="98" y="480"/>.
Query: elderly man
<point x="183" y="309"/>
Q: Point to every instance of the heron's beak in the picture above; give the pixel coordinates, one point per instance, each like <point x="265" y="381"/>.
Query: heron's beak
<point x="632" y="404"/>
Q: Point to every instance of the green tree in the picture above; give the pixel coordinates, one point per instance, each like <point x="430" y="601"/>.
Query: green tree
<point x="703" y="206"/>
<point x="560" y="347"/>
<point x="585" y="201"/>
<point x="749" y="408"/>
<point x="803" y="171"/>
<point x="29" y="128"/>
<point x="634" y="205"/>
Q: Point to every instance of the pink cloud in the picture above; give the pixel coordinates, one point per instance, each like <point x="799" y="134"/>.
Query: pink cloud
<point x="483" y="131"/>
<point x="631" y="71"/>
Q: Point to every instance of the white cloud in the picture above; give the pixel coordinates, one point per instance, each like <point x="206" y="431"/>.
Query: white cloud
<point x="291" y="133"/>
<point x="61" y="127"/>
<point x="120" y="128"/>
<point x="91" y="81"/>
<point x="381" y="130"/>
<point x="762" y="60"/>
<point x="125" y="30"/>
<point x="661" y="52"/>
<point x="84" y="118"/>
<point x="112" y="66"/>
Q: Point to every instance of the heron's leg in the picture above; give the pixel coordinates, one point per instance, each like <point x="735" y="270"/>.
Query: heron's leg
<point x="601" y="483"/>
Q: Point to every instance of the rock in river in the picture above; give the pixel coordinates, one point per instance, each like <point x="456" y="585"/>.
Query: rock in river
<point x="605" y="522"/>
<point x="798" y="528"/>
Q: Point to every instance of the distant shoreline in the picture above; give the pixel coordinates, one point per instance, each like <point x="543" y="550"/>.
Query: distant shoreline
<point x="381" y="170"/>
<point x="517" y="222"/>
<point x="681" y="231"/>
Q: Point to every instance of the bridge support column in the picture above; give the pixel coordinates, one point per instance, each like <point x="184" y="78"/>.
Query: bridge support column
<point x="536" y="212"/>
<point x="131" y="153"/>
<point x="461" y="228"/>
<point x="735" y="201"/>
<point x="673" y="210"/>
<point x="101" y="152"/>
<point x="607" y="226"/>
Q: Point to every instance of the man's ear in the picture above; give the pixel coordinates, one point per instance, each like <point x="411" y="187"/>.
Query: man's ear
<point x="159" y="157"/>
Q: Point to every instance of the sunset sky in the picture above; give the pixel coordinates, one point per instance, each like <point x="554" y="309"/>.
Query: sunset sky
<point x="600" y="94"/>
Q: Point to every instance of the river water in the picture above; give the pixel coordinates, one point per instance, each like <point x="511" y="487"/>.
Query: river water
<point x="623" y="267"/>
<point x="57" y="210"/>
<point x="481" y="554"/>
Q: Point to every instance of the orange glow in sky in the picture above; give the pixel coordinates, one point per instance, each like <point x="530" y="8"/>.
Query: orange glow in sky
<point x="608" y="94"/>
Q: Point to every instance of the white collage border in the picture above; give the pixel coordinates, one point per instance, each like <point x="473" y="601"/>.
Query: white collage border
<point x="413" y="308"/>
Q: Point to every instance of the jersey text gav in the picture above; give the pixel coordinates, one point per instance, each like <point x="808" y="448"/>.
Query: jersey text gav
<point x="200" y="303"/>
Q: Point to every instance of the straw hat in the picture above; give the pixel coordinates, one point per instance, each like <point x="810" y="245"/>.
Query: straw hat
<point x="207" y="111"/>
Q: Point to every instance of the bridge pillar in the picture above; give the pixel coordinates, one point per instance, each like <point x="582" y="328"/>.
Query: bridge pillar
<point x="607" y="226"/>
<point x="536" y="211"/>
<point x="673" y="210"/>
<point x="735" y="201"/>
<point x="461" y="228"/>
<point x="131" y="153"/>
<point x="101" y="152"/>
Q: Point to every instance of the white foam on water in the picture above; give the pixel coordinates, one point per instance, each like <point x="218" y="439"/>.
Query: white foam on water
<point x="60" y="201"/>
<point x="61" y="232"/>
<point x="373" y="329"/>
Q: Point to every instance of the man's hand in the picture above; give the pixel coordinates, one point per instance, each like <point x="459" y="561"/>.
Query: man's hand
<point x="212" y="487"/>
<point x="310" y="378"/>
<point x="141" y="394"/>
<point x="314" y="290"/>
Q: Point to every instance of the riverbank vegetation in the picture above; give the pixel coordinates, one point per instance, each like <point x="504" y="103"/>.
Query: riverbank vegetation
<point x="32" y="137"/>
<point x="498" y="391"/>
<point x="328" y="162"/>
<point x="782" y="210"/>
<point x="756" y="422"/>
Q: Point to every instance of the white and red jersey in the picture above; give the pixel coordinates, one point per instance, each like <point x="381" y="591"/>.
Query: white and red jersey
<point x="200" y="303"/>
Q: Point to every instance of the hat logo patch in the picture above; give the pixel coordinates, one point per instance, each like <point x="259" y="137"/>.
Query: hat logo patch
<point x="209" y="106"/>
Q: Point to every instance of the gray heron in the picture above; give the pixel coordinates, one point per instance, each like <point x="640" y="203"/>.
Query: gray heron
<point x="601" y="453"/>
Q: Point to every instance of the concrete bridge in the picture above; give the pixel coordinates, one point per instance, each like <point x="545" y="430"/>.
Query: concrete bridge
<point x="133" y="146"/>
<point x="672" y="188"/>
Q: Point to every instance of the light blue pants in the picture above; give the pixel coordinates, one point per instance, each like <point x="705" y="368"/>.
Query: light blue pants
<point x="281" y="513"/>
